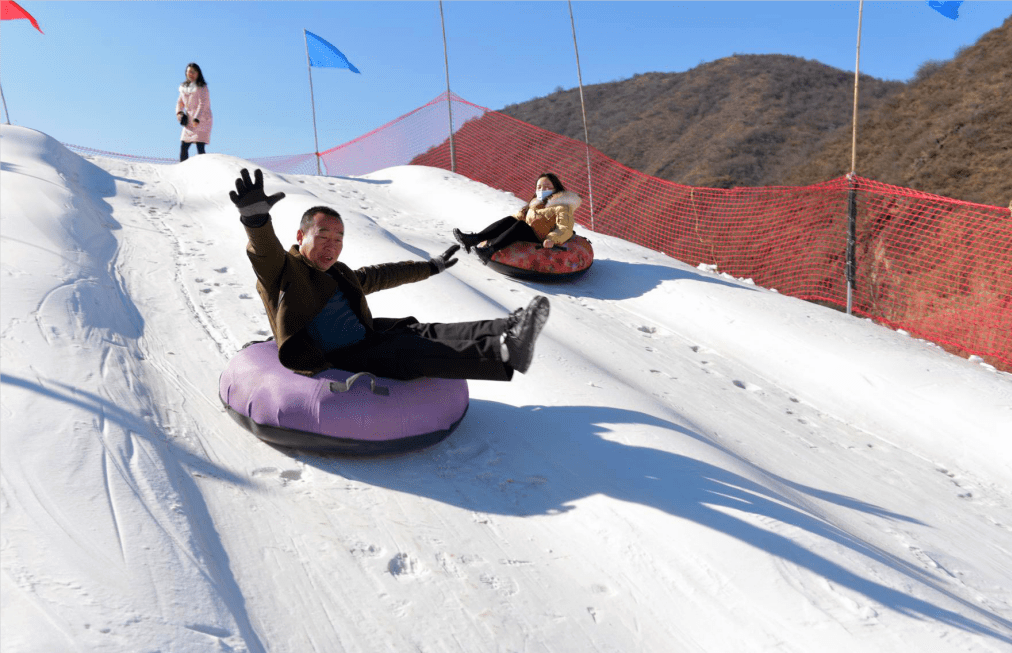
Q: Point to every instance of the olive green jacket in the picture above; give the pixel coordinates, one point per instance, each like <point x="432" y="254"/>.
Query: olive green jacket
<point x="294" y="292"/>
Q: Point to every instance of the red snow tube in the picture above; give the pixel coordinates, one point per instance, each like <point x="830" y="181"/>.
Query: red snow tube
<point x="332" y="412"/>
<point x="531" y="261"/>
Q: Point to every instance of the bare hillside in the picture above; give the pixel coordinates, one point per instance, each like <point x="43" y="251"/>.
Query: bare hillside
<point x="739" y="121"/>
<point x="949" y="132"/>
<point x="767" y="120"/>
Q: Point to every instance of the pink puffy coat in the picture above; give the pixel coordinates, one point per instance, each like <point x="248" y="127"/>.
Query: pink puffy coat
<point x="195" y="102"/>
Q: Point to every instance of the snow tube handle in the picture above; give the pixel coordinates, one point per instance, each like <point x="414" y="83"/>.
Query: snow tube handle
<point x="345" y="386"/>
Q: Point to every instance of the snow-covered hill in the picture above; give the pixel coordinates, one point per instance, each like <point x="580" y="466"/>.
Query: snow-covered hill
<point x="692" y="463"/>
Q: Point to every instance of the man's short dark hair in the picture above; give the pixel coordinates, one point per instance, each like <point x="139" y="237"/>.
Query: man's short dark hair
<point x="307" y="217"/>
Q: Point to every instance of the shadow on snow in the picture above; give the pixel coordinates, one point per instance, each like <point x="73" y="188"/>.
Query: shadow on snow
<point x="488" y="465"/>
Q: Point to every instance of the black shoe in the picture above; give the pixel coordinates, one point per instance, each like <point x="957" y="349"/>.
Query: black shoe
<point x="519" y="339"/>
<point x="514" y="318"/>
<point x="467" y="241"/>
<point x="484" y="253"/>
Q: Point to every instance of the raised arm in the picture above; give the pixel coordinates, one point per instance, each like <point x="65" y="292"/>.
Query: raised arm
<point x="265" y="251"/>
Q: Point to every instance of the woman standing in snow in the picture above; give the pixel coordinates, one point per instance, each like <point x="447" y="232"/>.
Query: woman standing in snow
<point x="546" y="219"/>
<point x="193" y="110"/>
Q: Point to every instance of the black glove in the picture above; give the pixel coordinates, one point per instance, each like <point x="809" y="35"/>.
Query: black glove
<point x="444" y="260"/>
<point x="249" y="197"/>
<point x="183" y="119"/>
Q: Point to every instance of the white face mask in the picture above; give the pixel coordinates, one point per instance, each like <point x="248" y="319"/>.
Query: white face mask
<point x="544" y="194"/>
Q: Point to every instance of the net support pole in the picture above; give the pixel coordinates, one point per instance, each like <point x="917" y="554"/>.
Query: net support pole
<point x="857" y="70"/>
<point x="583" y="109"/>
<point x="312" y="101"/>
<point x="851" y="242"/>
<point x="449" y="103"/>
<point x="851" y="267"/>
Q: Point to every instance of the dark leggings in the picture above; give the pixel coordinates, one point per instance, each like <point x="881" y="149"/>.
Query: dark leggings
<point x="459" y="350"/>
<point x="184" y="150"/>
<point x="507" y="231"/>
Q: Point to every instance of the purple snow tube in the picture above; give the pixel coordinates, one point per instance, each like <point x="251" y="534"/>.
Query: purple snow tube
<point x="335" y="410"/>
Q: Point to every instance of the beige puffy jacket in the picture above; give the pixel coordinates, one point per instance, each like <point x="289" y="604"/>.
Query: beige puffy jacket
<point x="554" y="220"/>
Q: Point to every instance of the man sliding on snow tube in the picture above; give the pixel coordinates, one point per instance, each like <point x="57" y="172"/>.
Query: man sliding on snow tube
<point x="320" y="318"/>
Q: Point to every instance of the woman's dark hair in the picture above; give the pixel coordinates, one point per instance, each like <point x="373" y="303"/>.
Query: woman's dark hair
<point x="307" y="217"/>
<point x="200" y="75"/>
<point x="552" y="178"/>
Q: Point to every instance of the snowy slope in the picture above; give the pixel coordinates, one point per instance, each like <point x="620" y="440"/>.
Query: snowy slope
<point x="692" y="463"/>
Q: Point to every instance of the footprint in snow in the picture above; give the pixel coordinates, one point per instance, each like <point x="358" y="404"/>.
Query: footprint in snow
<point x="745" y="385"/>
<point x="285" y="476"/>
<point x="405" y="566"/>
<point x="291" y="475"/>
<point x="363" y="550"/>
<point x="504" y="587"/>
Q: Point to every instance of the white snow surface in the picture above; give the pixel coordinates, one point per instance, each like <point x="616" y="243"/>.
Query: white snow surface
<point x="692" y="463"/>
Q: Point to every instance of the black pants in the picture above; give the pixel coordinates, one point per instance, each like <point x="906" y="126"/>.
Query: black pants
<point x="507" y="231"/>
<point x="184" y="150"/>
<point x="408" y="349"/>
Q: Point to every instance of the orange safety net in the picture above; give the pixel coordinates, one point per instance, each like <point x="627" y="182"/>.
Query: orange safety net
<point x="937" y="268"/>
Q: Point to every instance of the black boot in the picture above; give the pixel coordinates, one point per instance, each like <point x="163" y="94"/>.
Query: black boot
<point x="467" y="241"/>
<point x="513" y="318"/>
<point x="484" y="253"/>
<point x="519" y="338"/>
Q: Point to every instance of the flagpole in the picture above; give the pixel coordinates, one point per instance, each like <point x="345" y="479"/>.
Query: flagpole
<point x="6" y="112"/>
<point x="586" y="133"/>
<point x="449" y="104"/>
<point x="312" y="100"/>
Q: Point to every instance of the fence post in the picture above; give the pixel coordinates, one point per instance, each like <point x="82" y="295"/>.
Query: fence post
<point x="851" y="240"/>
<point x="852" y="177"/>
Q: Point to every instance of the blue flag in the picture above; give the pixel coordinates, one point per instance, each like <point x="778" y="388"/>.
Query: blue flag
<point x="325" y="55"/>
<point x="947" y="9"/>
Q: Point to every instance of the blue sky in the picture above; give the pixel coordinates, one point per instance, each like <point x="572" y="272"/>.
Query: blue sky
<point x="105" y="74"/>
